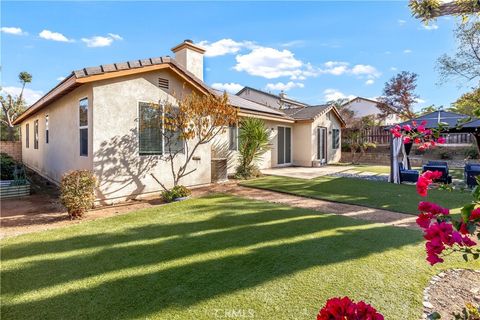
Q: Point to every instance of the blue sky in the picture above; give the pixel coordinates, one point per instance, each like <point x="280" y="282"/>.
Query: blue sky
<point x="314" y="50"/>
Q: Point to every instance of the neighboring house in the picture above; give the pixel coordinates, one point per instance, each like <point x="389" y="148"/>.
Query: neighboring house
<point x="91" y="121"/>
<point x="271" y="100"/>
<point x="363" y="107"/>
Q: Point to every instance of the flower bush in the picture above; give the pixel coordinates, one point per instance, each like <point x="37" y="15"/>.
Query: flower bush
<point x="77" y="192"/>
<point x="442" y="233"/>
<point x="418" y="134"/>
<point x="345" y="309"/>
<point x="175" y="193"/>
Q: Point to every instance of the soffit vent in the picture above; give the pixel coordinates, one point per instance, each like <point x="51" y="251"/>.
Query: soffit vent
<point x="163" y="83"/>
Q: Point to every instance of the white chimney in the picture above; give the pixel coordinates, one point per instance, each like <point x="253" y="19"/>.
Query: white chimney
<point x="190" y="56"/>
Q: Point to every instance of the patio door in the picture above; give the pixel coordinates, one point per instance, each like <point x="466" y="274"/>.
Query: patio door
<point x="322" y="145"/>
<point x="284" y="147"/>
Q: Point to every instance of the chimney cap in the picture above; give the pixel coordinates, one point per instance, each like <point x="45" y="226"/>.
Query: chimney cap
<point x="187" y="43"/>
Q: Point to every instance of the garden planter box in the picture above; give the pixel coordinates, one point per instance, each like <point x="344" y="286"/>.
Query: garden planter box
<point x="7" y="190"/>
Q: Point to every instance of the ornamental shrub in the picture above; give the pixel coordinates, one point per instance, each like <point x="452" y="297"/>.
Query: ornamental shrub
<point x="77" y="192"/>
<point x="7" y="165"/>
<point x="176" y="192"/>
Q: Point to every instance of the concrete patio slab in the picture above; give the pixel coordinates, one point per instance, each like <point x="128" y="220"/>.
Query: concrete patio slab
<point x="305" y="172"/>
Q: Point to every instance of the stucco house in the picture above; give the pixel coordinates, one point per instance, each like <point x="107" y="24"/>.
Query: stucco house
<point x="90" y="121"/>
<point x="368" y="107"/>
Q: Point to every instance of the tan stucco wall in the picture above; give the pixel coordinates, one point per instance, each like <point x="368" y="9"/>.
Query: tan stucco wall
<point x="62" y="153"/>
<point x="121" y="171"/>
<point x="330" y="121"/>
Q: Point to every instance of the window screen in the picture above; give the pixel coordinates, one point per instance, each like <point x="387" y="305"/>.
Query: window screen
<point x="335" y="138"/>
<point x="150" y="129"/>
<point x="83" y="126"/>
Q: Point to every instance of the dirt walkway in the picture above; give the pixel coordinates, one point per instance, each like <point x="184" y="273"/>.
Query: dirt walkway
<point x="40" y="212"/>
<point x="358" y="212"/>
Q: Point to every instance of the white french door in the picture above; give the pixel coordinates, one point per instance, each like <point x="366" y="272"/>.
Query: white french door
<point x="284" y="146"/>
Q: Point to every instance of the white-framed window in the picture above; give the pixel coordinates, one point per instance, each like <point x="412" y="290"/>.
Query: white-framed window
<point x="83" y="126"/>
<point x="153" y="139"/>
<point x="233" y="138"/>
<point x="47" y="138"/>
<point x="35" y="134"/>
<point x="27" y="135"/>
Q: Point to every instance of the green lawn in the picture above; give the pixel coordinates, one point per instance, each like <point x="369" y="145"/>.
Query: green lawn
<point x="213" y="257"/>
<point x="457" y="173"/>
<point x="384" y="195"/>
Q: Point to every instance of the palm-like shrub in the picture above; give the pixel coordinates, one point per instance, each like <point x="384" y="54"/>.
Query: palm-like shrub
<point x="78" y="192"/>
<point x="253" y="143"/>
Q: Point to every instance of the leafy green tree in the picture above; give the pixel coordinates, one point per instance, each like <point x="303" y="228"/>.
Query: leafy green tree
<point x="12" y="106"/>
<point x="468" y="103"/>
<point x="464" y="65"/>
<point x="254" y="141"/>
<point x="430" y="109"/>
<point x="432" y="9"/>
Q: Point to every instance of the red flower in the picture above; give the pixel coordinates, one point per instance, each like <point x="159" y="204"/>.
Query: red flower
<point x="423" y="123"/>
<point x="407" y="140"/>
<point x="345" y="309"/>
<point x="475" y="214"/>
<point x="425" y="180"/>
<point x="421" y="128"/>
<point x="416" y="140"/>
<point x="407" y="127"/>
<point x="433" y="208"/>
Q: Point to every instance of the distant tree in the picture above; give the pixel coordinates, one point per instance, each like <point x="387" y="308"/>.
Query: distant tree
<point x="429" y="109"/>
<point x="399" y="95"/>
<point x="12" y="106"/>
<point x="465" y="63"/>
<point x="468" y="103"/>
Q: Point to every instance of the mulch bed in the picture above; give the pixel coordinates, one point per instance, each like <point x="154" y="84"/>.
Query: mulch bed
<point x="449" y="291"/>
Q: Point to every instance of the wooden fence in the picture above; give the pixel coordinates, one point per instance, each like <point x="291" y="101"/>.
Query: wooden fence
<point x="380" y="136"/>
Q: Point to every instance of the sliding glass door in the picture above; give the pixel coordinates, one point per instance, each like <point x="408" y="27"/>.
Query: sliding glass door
<point x="284" y="147"/>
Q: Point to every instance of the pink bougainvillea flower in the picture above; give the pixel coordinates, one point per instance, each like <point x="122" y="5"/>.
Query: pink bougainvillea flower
<point x="433" y="208"/>
<point x="421" y="129"/>
<point x="423" y="123"/>
<point x="432" y="143"/>
<point x="425" y="180"/>
<point x="424" y="220"/>
<point x="345" y="309"/>
<point x="440" y="235"/>
<point x="441" y="140"/>
<point x="407" y="127"/>
<point x="427" y="132"/>
<point x="407" y="140"/>
<point x="417" y="140"/>
<point x="414" y="123"/>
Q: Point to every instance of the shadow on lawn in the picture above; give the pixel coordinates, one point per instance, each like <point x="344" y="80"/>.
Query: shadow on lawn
<point x="140" y="295"/>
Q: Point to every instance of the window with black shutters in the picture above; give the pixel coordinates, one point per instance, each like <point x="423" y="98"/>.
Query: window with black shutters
<point x="83" y="126"/>
<point x="335" y="138"/>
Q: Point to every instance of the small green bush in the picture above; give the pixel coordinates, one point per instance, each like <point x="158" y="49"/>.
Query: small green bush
<point x="77" y="190"/>
<point x="247" y="172"/>
<point x="175" y="192"/>
<point x="471" y="153"/>
<point x="7" y="165"/>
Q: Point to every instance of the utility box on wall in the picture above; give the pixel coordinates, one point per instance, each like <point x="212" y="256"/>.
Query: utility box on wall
<point x="219" y="169"/>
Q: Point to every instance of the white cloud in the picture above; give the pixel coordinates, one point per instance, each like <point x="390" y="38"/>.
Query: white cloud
<point x="229" y="87"/>
<point x="294" y="43"/>
<point x="401" y="22"/>
<point x="54" y="36"/>
<point x="284" y="86"/>
<point x="29" y="95"/>
<point x="393" y="69"/>
<point x="60" y="78"/>
<point x="224" y="46"/>
<point x="13" y="30"/>
<point x="334" y="94"/>
<point x="100" y="41"/>
<point x="407" y="51"/>
<point x="269" y="63"/>
<point x="335" y="68"/>
<point x="418" y="100"/>
<point x="369" y="82"/>
<point x="366" y="70"/>
<point x="430" y="27"/>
